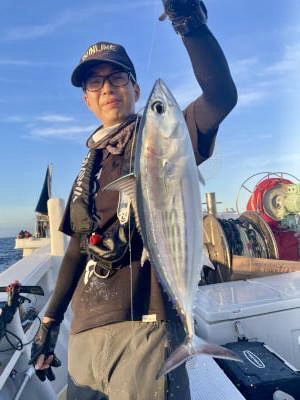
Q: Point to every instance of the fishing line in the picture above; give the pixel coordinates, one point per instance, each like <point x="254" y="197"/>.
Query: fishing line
<point x="130" y="268"/>
<point x="133" y="336"/>
<point x="129" y="245"/>
<point x="153" y="35"/>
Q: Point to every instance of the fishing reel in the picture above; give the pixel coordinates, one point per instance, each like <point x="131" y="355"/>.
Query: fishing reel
<point x="14" y="301"/>
<point x="268" y="229"/>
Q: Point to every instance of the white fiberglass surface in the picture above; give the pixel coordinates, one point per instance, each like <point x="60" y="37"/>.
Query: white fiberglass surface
<point x="227" y="296"/>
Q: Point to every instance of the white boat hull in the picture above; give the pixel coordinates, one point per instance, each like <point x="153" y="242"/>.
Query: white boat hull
<point x="264" y="309"/>
<point x="41" y="269"/>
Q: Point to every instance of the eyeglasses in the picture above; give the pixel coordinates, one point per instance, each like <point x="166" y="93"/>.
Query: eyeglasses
<point x="116" y="79"/>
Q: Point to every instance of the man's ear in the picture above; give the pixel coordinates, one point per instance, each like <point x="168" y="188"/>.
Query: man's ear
<point x="86" y="100"/>
<point x="136" y="92"/>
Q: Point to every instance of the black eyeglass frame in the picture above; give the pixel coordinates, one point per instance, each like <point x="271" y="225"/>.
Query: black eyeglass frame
<point x="130" y="77"/>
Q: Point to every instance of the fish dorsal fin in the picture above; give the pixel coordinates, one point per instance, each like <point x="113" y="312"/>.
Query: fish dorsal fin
<point x="126" y="185"/>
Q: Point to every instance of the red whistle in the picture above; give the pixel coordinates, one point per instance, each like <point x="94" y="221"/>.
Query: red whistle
<point x="95" y="238"/>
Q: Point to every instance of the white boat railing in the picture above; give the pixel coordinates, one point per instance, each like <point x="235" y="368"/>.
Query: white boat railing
<point x="17" y="377"/>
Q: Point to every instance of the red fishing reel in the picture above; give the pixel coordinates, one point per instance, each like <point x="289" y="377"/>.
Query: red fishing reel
<point x="276" y="198"/>
<point x="264" y="199"/>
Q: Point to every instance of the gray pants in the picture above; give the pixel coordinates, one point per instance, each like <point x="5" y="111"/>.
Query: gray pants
<point x="120" y="361"/>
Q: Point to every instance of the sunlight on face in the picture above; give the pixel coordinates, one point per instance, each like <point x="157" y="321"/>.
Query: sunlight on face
<point x="111" y="104"/>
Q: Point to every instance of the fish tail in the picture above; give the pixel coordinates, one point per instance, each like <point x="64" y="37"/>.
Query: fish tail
<point x="189" y="349"/>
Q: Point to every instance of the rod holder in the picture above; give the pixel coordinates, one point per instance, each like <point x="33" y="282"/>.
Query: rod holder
<point x="211" y="203"/>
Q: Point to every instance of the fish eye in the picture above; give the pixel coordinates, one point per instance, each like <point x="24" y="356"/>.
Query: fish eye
<point x="158" y="107"/>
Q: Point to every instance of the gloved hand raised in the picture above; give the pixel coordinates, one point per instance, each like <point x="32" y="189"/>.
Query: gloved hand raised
<point x="186" y="15"/>
<point x="42" y="350"/>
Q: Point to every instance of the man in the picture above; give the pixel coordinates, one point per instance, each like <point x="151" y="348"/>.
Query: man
<point x="123" y="325"/>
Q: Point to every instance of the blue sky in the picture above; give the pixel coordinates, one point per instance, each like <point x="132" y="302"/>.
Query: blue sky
<point x="43" y="118"/>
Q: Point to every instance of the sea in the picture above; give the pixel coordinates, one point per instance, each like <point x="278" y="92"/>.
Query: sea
<point x="8" y="255"/>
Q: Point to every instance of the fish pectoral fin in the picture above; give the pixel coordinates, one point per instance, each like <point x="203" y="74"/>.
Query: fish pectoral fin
<point x="188" y="350"/>
<point x="124" y="184"/>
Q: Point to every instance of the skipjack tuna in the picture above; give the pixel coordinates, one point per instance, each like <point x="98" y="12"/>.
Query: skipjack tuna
<point x="168" y="203"/>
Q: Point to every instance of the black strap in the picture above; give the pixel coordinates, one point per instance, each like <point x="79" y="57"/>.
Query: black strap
<point x="82" y="195"/>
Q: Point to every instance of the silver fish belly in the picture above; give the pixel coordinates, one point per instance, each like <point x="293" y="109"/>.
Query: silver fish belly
<point x="167" y="201"/>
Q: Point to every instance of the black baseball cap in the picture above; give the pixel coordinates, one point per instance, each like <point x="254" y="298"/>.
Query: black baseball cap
<point x="101" y="52"/>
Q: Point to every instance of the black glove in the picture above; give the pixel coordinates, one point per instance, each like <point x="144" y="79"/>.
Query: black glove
<point x="187" y="16"/>
<point x="44" y="343"/>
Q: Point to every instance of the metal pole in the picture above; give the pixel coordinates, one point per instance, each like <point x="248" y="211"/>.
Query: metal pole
<point x="211" y="203"/>
<point x="28" y="375"/>
<point x="44" y="389"/>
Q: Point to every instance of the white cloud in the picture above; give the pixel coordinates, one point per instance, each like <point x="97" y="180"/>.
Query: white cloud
<point x="288" y="158"/>
<point x="256" y="82"/>
<point x="22" y="63"/>
<point x="243" y="66"/>
<point x="289" y="63"/>
<point x="54" y="118"/>
<point x="47" y="118"/>
<point x="188" y="91"/>
<point x="71" y="132"/>
<point x="252" y="67"/>
<point x="35" y="31"/>
<point x="251" y="97"/>
<point x="51" y="126"/>
<point x="14" y="119"/>
<point x="275" y="163"/>
<point x="26" y="63"/>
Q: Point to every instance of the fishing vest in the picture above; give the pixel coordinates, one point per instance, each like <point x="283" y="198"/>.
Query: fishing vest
<point x="113" y="246"/>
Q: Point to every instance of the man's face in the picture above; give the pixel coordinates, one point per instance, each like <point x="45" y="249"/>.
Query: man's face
<point x="111" y="104"/>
